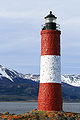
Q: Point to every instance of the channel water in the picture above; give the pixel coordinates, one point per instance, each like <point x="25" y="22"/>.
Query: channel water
<point x="23" y="107"/>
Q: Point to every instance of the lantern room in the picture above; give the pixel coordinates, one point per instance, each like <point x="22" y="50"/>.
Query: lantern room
<point x="50" y="22"/>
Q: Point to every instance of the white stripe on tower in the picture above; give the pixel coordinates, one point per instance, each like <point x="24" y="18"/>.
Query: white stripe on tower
<point x="50" y="69"/>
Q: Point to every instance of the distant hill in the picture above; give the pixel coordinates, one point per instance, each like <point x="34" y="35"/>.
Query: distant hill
<point x="15" y="86"/>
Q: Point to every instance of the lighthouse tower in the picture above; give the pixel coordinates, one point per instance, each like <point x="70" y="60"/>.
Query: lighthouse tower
<point x="50" y="94"/>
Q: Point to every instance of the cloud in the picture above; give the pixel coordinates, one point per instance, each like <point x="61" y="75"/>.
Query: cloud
<point x="20" y="25"/>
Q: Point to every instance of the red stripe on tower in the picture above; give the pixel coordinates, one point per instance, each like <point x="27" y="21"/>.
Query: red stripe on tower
<point x="50" y="94"/>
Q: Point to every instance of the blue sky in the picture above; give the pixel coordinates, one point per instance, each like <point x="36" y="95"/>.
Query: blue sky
<point x="20" y="25"/>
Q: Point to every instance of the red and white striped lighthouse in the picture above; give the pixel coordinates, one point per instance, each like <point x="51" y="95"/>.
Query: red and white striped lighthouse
<point x="50" y="94"/>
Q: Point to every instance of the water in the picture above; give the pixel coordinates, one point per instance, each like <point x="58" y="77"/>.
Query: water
<point x="71" y="107"/>
<point x="17" y="107"/>
<point x="23" y="107"/>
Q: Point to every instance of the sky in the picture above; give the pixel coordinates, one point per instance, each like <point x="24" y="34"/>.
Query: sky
<point x="20" y="25"/>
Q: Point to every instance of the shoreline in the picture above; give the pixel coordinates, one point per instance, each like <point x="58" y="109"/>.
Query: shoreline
<point x="37" y="101"/>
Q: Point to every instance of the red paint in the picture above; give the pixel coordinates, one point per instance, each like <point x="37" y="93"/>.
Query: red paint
<point x="50" y="97"/>
<point x="50" y="94"/>
<point x="50" y="42"/>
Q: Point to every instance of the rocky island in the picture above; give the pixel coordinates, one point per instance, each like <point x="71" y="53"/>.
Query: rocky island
<point x="41" y="115"/>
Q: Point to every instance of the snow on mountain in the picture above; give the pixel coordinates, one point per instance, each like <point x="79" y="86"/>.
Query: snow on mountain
<point x="73" y="80"/>
<point x="35" y="78"/>
<point x="10" y="74"/>
<point x="3" y="73"/>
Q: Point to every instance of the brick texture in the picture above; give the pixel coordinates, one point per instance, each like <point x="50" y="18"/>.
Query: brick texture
<point x="50" y="97"/>
<point x="50" y="42"/>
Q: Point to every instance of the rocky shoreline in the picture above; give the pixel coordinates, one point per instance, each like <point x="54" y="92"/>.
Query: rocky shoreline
<point x="41" y="115"/>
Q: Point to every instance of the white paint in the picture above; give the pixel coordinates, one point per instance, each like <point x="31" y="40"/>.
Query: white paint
<point x="50" y="69"/>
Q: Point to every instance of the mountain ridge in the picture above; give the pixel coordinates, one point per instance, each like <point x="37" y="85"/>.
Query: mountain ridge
<point x="16" y="86"/>
<point x="10" y="74"/>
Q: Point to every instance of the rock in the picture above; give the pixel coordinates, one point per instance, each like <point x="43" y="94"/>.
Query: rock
<point x="6" y="113"/>
<point x="42" y="115"/>
<point x="1" y="114"/>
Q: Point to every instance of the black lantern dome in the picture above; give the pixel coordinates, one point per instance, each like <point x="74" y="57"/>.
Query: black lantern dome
<point x="51" y="16"/>
<point x="50" y="22"/>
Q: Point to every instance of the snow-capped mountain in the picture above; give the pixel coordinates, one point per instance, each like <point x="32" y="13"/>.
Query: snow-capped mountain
<point x="73" y="80"/>
<point x="10" y="74"/>
<point x="16" y="86"/>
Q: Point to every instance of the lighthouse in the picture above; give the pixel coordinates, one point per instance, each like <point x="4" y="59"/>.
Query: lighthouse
<point x="50" y="94"/>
